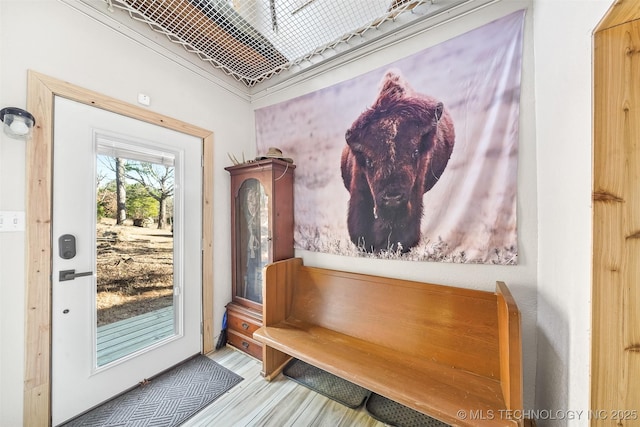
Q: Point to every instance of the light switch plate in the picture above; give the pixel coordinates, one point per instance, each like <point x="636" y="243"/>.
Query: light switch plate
<point x="11" y="221"/>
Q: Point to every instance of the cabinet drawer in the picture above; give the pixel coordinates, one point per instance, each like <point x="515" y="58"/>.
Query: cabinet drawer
<point x="245" y="344"/>
<point x="241" y="324"/>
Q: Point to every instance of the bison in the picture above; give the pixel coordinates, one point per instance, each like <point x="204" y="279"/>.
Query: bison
<point x="395" y="152"/>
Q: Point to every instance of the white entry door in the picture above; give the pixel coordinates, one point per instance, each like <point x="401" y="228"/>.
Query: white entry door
<point x="126" y="299"/>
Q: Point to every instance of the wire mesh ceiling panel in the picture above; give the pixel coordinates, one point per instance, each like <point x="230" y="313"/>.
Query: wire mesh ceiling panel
<point x="253" y="40"/>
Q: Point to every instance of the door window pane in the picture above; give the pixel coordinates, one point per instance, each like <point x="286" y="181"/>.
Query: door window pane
<point x="135" y="254"/>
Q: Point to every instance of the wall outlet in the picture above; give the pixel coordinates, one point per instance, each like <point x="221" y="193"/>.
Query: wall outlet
<point x="11" y="221"/>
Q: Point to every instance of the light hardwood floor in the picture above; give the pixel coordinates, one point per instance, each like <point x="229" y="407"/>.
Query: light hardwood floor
<point x="279" y="403"/>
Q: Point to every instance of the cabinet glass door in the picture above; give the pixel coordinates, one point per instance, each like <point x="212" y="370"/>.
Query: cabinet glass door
<point x="253" y="236"/>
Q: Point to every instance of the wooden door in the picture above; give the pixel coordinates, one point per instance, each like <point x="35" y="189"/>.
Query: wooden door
<point x="615" y="385"/>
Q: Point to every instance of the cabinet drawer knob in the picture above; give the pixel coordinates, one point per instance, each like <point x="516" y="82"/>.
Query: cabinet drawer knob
<point x="245" y="326"/>
<point x="245" y="344"/>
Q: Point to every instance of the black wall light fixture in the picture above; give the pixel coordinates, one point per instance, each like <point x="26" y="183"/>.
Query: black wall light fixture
<point x="18" y="123"/>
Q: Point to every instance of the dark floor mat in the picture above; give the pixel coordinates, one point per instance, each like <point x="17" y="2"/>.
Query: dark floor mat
<point x="165" y="401"/>
<point x="395" y="414"/>
<point x="329" y="385"/>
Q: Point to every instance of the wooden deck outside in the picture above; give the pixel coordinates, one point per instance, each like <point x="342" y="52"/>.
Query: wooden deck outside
<point x="124" y="337"/>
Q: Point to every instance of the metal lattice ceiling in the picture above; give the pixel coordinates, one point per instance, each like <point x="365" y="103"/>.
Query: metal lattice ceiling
<point x="253" y="40"/>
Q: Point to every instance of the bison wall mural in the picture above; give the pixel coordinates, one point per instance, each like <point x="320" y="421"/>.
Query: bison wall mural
<point x="396" y="151"/>
<point x="416" y="160"/>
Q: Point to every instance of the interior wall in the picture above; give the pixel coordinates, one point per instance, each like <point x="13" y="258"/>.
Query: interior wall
<point x="563" y="52"/>
<point x="521" y="279"/>
<point x="552" y="281"/>
<point x="52" y="38"/>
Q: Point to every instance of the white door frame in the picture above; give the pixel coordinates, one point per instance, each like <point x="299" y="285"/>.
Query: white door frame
<point x="41" y="92"/>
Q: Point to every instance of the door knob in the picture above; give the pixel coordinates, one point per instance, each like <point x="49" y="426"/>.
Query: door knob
<point x="71" y="274"/>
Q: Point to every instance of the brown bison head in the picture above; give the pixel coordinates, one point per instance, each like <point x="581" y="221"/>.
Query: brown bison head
<point x="399" y="147"/>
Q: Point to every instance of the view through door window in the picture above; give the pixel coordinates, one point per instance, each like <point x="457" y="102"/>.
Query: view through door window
<point x="135" y="255"/>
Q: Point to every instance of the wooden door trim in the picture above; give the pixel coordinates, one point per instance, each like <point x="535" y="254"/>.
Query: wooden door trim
<point x="620" y="12"/>
<point x="615" y="265"/>
<point x="41" y="90"/>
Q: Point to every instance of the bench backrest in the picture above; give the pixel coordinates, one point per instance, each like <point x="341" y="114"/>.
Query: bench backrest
<point x="446" y="324"/>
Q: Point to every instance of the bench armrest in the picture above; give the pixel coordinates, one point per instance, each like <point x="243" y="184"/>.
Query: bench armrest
<point x="510" y="347"/>
<point x="277" y="296"/>
<point x="277" y="290"/>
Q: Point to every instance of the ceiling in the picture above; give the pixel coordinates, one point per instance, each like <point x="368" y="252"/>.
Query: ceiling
<point x="250" y="46"/>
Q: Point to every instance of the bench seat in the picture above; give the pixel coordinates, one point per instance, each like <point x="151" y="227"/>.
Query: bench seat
<point x="420" y="384"/>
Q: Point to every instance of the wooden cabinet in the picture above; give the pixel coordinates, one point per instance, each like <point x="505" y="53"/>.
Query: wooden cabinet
<point x="261" y="232"/>
<point x="241" y="322"/>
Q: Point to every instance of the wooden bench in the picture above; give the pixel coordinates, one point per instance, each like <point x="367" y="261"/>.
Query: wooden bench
<point x="451" y="353"/>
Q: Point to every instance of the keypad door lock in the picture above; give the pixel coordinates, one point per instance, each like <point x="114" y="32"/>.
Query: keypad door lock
<point x="67" y="246"/>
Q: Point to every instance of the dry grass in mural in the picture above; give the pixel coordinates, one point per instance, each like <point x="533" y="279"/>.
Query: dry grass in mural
<point x="324" y="239"/>
<point x="135" y="271"/>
